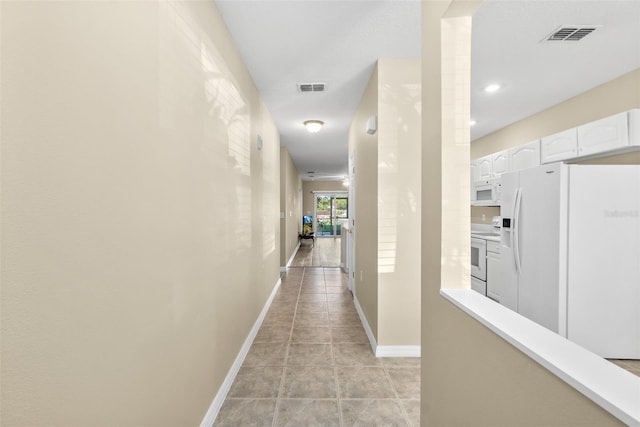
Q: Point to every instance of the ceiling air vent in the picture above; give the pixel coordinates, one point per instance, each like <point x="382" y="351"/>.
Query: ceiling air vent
<point x="570" y="33"/>
<point x="311" y="87"/>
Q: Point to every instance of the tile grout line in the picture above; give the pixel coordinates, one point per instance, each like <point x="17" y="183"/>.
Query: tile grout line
<point x="333" y="357"/>
<point x="276" y="408"/>
<point x="405" y="415"/>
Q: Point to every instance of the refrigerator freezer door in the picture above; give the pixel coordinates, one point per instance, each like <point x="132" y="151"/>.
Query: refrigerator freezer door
<point x="604" y="260"/>
<point x="539" y="248"/>
<point x="509" y="277"/>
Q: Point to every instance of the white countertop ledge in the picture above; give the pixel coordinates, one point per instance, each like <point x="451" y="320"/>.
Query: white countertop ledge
<point x="608" y="385"/>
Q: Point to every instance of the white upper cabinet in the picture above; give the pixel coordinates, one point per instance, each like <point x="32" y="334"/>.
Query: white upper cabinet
<point x="603" y="135"/>
<point x="524" y="156"/>
<point x="559" y="146"/>
<point x="500" y="163"/>
<point x="485" y="168"/>
<point x="634" y="128"/>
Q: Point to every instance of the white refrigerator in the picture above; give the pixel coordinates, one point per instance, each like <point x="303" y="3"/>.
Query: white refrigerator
<point x="570" y="255"/>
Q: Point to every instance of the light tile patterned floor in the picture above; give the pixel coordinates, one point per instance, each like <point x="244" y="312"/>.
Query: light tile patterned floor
<point x="320" y="252"/>
<point x="311" y="364"/>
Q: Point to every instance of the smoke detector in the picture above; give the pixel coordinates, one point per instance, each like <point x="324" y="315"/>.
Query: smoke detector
<point x="570" y="33"/>
<point x="311" y="87"/>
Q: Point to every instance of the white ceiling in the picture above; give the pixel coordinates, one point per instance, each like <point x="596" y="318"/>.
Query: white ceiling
<point x="337" y="43"/>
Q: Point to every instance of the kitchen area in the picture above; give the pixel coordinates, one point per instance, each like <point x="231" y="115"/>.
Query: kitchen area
<point x="556" y="238"/>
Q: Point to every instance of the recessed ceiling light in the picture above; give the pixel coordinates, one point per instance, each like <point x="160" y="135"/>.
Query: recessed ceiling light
<point x="492" y="88"/>
<point x="313" y="126"/>
<point x="472" y="122"/>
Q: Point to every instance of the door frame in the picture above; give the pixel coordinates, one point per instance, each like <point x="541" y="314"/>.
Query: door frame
<point x="315" y="208"/>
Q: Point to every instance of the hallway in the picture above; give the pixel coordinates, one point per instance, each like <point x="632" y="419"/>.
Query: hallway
<point x="311" y="364"/>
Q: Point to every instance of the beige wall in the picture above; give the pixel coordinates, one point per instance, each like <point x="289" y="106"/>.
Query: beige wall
<point x="290" y="206"/>
<point x="470" y="376"/>
<point x="363" y="148"/>
<point x="308" y="187"/>
<point x="387" y="198"/>
<point x="399" y="100"/>
<point x="133" y="202"/>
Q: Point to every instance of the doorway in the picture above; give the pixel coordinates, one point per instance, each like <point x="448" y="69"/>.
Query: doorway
<point x="331" y="213"/>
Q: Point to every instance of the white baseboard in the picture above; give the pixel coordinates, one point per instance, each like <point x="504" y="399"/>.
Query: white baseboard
<point x="212" y="413"/>
<point x="398" y="351"/>
<point x="295" y="252"/>
<point x="365" y="324"/>
<point x="385" y="350"/>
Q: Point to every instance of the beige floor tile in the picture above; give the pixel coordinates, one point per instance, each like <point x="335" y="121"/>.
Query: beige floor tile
<point x="303" y="320"/>
<point x="246" y="412"/>
<point x="344" y="296"/>
<point x="313" y="289"/>
<point x="412" y="409"/>
<point x="309" y="382"/>
<point x="353" y="335"/>
<point x="309" y="355"/>
<point x="272" y="334"/>
<point x="372" y="412"/>
<point x="406" y="381"/>
<point x="257" y="382"/>
<point x="313" y="335"/>
<point x="285" y="298"/>
<point x="312" y="306"/>
<point x="281" y="320"/>
<point x="354" y="355"/>
<point x="344" y="318"/>
<point x="363" y="382"/>
<point x="308" y="412"/>
<point x="342" y="307"/>
<point x="266" y="354"/>
<point x="312" y="298"/>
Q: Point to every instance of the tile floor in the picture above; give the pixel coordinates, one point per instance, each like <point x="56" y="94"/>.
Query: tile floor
<point x="323" y="252"/>
<point x="311" y="364"/>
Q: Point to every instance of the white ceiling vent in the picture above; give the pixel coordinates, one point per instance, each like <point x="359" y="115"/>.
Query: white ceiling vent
<point x="311" y="87"/>
<point x="570" y="33"/>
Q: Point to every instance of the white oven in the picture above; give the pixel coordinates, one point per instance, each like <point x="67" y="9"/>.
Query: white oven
<point x="479" y="259"/>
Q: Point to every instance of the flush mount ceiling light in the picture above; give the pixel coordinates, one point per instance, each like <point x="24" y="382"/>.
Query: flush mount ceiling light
<point x="492" y="88"/>
<point x="313" y="126"/>
<point x="472" y="122"/>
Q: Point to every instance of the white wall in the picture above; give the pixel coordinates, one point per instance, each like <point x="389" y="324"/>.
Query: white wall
<point x="139" y="222"/>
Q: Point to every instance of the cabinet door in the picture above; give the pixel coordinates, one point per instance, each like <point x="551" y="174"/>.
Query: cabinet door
<point x="485" y="168"/>
<point x="500" y="163"/>
<point x="559" y="146"/>
<point x="603" y="135"/>
<point x="495" y="280"/>
<point x="524" y="156"/>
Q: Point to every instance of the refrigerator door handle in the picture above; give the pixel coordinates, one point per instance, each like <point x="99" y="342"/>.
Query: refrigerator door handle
<point x="516" y="230"/>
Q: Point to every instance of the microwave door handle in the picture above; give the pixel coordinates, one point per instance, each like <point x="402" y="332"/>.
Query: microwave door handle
<point x="516" y="231"/>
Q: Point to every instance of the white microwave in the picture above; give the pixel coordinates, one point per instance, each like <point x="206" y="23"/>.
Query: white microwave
<point x="487" y="192"/>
